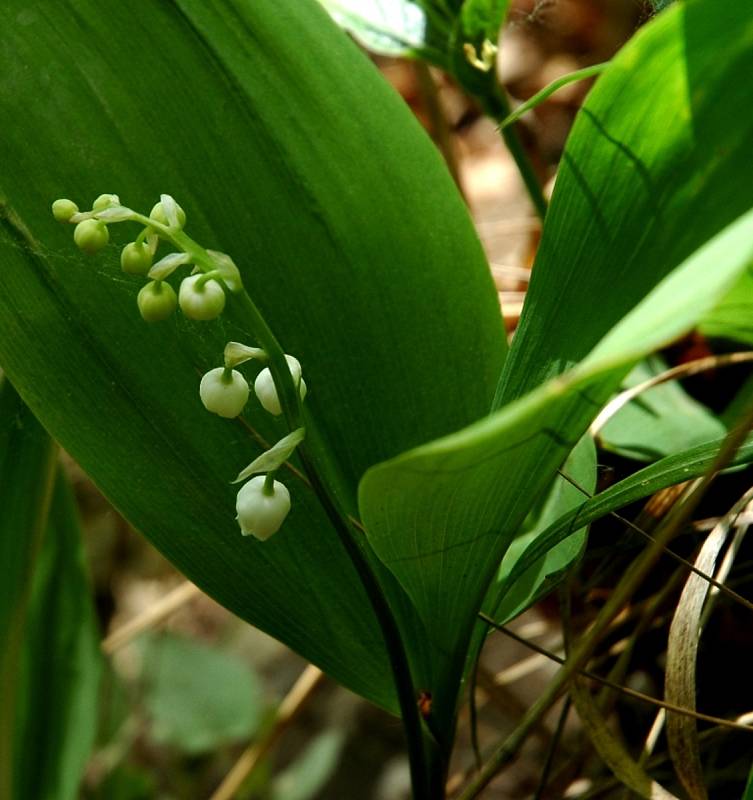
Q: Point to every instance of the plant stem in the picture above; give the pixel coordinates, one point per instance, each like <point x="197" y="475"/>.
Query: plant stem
<point x="291" y="405"/>
<point x="425" y="777"/>
<point x="498" y="108"/>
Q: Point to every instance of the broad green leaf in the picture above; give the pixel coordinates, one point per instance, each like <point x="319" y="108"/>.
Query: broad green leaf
<point x="286" y="150"/>
<point x="442" y="516"/>
<point x="660" y="421"/>
<point x="732" y="318"/>
<point x="658" y="161"/>
<point x="197" y="697"/>
<point x="635" y="197"/>
<point x="49" y="663"/>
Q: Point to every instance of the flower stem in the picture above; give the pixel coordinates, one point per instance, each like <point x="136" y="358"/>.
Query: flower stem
<point x="291" y="406"/>
<point x="427" y="782"/>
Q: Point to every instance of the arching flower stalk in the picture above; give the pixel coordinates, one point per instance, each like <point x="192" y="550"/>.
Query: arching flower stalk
<point x="202" y="294"/>
<point x="263" y="502"/>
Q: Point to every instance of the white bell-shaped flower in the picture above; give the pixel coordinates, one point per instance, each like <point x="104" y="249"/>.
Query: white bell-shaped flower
<point x="200" y="298"/>
<point x="261" y="514"/>
<point x="264" y="386"/>
<point x="224" y="392"/>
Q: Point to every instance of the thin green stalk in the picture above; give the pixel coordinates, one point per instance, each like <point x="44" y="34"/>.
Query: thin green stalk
<point x="424" y="777"/>
<point x="290" y="401"/>
<point x="550" y="89"/>
<point x="498" y="108"/>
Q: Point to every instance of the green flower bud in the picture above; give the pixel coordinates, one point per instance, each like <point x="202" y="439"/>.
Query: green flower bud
<point x="91" y="236"/>
<point x="136" y="258"/>
<point x="201" y="299"/>
<point x="261" y="514"/>
<point x="158" y="214"/>
<point x="224" y="392"/>
<point x="156" y="301"/>
<point x="105" y="201"/>
<point x="264" y="386"/>
<point x="64" y="209"/>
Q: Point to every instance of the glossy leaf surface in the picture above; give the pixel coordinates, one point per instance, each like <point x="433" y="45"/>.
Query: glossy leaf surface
<point x="288" y="151"/>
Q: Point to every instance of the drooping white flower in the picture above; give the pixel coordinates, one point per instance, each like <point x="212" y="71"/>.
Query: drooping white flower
<point x="224" y="392"/>
<point x="261" y="514"/>
<point x="201" y="299"/>
<point x="264" y="386"/>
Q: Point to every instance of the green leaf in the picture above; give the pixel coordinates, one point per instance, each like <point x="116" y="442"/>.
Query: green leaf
<point x="197" y="697"/>
<point x="50" y="663"/>
<point x="510" y="596"/>
<point x="275" y="457"/>
<point x="442" y="516"/>
<point x="658" y="161"/>
<point x="748" y="793"/>
<point x="667" y="472"/>
<point x="732" y="318"/>
<point x="308" y="169"/>
<point x="660" y="421"/>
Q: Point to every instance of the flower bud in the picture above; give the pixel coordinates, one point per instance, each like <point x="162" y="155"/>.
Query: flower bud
<point x="265" y="389"/>
<point x="64" y="209"/>
<point x="224" y="392"/>
<point x="156" y="301"/>
<point x="158" y="215"/>
<point x="136" y="258"/>
<point x="201" y="299"/>
<point x="261" y="514"/>
<point x="91" y="236"/>
<point x="105" y="201"/>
